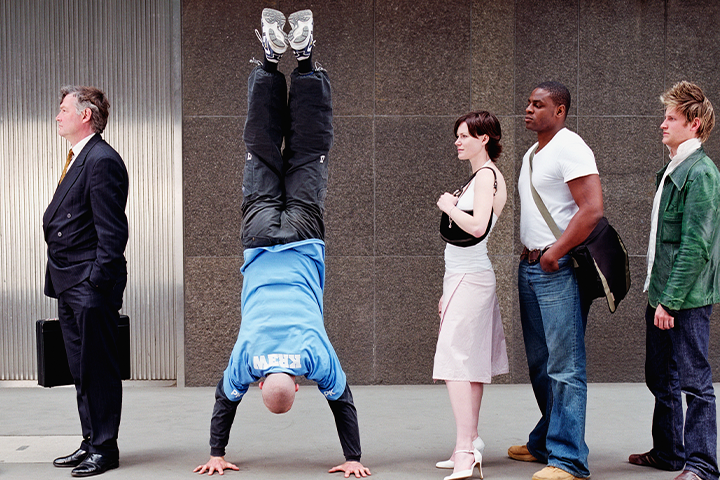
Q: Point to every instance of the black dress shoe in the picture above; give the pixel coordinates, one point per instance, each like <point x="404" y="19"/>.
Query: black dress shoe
<point x="72" y="460"/>
<point x="94" y="464"/>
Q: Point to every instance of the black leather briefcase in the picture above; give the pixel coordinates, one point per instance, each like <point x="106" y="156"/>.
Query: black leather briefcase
<point x="53" y="369"/>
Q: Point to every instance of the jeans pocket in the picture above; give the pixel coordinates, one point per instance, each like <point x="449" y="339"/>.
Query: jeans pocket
<point x="564" y="261"/>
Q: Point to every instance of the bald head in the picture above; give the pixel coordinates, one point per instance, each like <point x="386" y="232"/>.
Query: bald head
<point x="278" y="392"/>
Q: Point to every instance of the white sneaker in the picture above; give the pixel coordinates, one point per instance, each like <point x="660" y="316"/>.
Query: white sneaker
<point x="300" y="37"/>
<point x="273" y="39"/>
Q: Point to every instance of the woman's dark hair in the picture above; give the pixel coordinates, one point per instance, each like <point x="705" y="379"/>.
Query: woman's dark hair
<point x="483" y="123"/>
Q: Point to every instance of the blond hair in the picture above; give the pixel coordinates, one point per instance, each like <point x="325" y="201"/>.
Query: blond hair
<point x="689" y="100"/>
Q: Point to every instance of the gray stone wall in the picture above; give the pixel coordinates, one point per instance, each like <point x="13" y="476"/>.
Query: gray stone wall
<point x="402" y="71"/>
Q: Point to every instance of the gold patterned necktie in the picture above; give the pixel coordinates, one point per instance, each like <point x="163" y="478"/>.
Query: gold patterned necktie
<point x="67" y="164"/>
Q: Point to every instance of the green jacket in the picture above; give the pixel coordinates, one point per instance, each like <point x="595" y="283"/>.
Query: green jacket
<point x="687" y="252"/>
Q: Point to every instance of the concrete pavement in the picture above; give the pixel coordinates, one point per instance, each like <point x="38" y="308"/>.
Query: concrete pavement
<point x="404" y="430"/>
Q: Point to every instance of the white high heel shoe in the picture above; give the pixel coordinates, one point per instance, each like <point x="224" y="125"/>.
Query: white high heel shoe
<point x="477" y="443"/>
<point x="477" y="460"/>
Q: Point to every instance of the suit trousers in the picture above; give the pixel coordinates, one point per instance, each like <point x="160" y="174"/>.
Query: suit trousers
<point x="284" y="190"/>
<point x="89" y="322"/>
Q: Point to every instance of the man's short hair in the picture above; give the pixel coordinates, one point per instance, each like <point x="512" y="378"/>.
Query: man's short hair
<point x="689" y="100"/>
<point x="92" y="98"/>
<point x="558" y="92"/>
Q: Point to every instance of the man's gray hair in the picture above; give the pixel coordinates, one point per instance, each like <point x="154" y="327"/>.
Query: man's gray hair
<point x="92" y="98"/>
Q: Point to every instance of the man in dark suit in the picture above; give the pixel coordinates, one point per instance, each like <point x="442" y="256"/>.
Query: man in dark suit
<point x="86" y="231"/>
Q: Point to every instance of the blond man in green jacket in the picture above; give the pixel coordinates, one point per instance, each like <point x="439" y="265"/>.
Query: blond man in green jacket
<point x="682" y="285"/>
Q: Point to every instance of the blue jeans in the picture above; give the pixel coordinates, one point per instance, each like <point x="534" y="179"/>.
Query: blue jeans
<point x="553" y="318"/>
<point x="676" y="362"/>
<point x="284" y="189"/>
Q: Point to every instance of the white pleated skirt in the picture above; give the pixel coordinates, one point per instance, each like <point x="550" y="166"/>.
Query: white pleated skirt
<point x="471" y="343"/>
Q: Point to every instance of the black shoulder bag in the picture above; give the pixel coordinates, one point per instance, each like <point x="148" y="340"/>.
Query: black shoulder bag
<point x="451" y="233"/>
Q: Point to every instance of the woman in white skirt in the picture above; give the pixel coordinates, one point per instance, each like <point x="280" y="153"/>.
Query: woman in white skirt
<point x="471" y="343"/>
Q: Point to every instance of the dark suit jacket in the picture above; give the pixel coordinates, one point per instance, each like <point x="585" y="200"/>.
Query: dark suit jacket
<point x="85" y="226"/>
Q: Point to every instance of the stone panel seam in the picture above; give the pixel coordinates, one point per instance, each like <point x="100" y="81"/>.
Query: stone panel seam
<point x="374" y="198"/>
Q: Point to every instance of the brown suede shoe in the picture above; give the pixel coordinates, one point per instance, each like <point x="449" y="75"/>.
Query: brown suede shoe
<point x="688" y="475"/>
<point x="521" y="453"/>
<point x="647" y="460"/>
<point x="555" y="473"/>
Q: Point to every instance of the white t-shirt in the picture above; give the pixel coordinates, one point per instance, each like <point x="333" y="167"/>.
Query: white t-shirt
<point x="566" y="157"/>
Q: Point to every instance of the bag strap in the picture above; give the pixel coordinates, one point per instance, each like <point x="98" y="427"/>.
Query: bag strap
<point x="460" y="190"/>
<point x="541" y="205"/>
<point x="494" y="175"/>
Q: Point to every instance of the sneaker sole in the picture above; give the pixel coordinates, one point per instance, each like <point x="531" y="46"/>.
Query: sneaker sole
<point x="275" y="21"/>
<point x="523" y="458"/>
<point x="301" y="23"/>
<point x="567" y="476"/>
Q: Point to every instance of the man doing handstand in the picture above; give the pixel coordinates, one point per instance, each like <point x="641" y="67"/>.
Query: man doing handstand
<point x="282" y="334"/>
